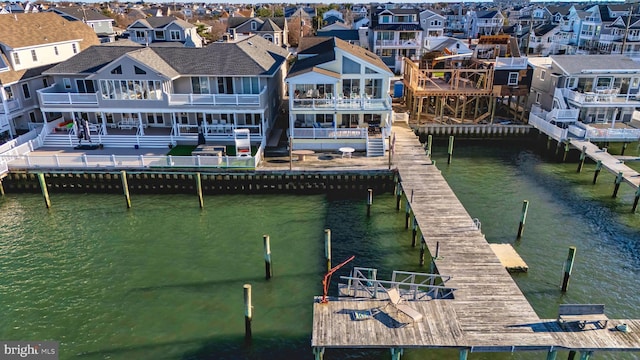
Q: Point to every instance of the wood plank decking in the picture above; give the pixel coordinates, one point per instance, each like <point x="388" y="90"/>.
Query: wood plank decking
<point x="609" y="162"/>
<point x="488" y="312"/>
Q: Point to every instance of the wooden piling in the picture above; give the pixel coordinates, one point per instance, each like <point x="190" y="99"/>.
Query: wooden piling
<point x="268" y="270"/>
<point x="369" y="201"/>
<point x="248" y="312"/>
<point x="635" y="200"/>
<point x="583" y="155"/>
<point x="45" y="190"/>
<point x="422" y="246"/>
<point x="1" y="189"/>
<point x="566" y="151"/>
<point x="624" y="147"/>
<point x="598" y="168"/>
<point x="398" y="196"/>
<point x="450" y="150"/>
<point x="407" y="208"/>
<point x="568" y="267"/>
<point x="616" y="187"/>
<point x="199" y="190"/>
<point x="523" y="217"/>
<point x="429" y="144"/>
<point x="125" y="188"/>
<point x="572" y="355"/>
<point x="327" y="247"/>
<point x="551" y="355"/>
<point x="414" y="232"/>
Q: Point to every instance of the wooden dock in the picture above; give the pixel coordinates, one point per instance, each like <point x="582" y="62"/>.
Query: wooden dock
<point x="609" y="162"/>
<point x="509" y="258"/>
<point x="488" y="313"/>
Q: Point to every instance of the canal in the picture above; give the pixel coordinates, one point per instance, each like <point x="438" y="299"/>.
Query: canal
<point x="164" y="279"/>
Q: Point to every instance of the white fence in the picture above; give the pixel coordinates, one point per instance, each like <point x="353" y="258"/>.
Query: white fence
<point x="125" y="161"/>
<point x="612" y="134"/>
<point x="547" y="127"/>
<point x="330" y="133"/>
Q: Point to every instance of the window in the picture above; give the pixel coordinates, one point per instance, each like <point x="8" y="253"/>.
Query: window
<point x="385" y="19"/>
<point x="139" y="71"/>
<point x="225" y="85"/>
<point x="25" y="91"/>
<point x="373" y="88"/>
<point x="85" y="86"/>
<point x="635" y="82"/>
<point x="386" y="52"/>
<point x="45" y="82"/>
<point x="349" y="66"/>
<point x="16" y="58"/>
<point x="32" y="116"/>
<point x="141" y="35"/>
<point x="537" y="98"/>
<point x="200" y="85"/>
<point x="254" y="25"/>
<point x="34" y="57"/>
<point x="117" y="70"/>
<point x="159" y="35"/>
<point x="250" y="85"/>
<point x="350" y="87"/>
<point x="74" y="48"/>
<point x="55" y="50"/>
<point x="175" y="34"/>
<point x="513" y="79"/>
<point x="67" y="83"/>
<point x="8" y="92"/>
<point x="543" y="73"/>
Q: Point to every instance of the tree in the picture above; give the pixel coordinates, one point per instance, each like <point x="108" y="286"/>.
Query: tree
<point x="539" y="49"/>
<point x="263" y="12"/>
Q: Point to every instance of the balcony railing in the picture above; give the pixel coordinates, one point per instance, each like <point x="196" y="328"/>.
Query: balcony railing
<point x="330" y="133"/>
<point x="408" y="42"/>
<point x="256" y="100"/>
<point x="341" y="104"/>
<point x="603" y="97"/>
<point x="66" y="98"/>
<point x="511" y="63"/>
<point x="12" y="105"/>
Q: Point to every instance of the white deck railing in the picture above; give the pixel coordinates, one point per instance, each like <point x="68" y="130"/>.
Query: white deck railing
<point x="84" y="161"/>
<point x="511" y="63"/>
<point x="219" y="99"/>
<point x="339" y="104"/>
<point x="547" y="127"/>
<point x="323" y="133"/>
<point x="610" y="96"/>
<point x="12" y="105"/>
<point x="612" y="134"/>
<point x="67" y="98"/>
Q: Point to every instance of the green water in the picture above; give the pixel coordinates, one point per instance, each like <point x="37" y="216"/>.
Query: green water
<point x="164" y="279"/>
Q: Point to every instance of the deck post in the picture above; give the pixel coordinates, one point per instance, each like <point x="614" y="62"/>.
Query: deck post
<point x="464" y="353"/>
<point x="552" y="354"/>
<point x="617" y="184"/>
<point x="45" y="190"/>
<point x="422" y="246"/>
<point x="1" y="189"/>
<point x="583" y="155"/>
<point x="566" y="151"/>
<point x="199" y="190"/>
<point x="407" y="213"/>
<point x="450" y="150"/>
<point x="414" y="232"/>
<point x="268" y="271"/>
<point x="396" y="353"/>
<point x="429" y="144"/>
<point x="125" y="188"/>
<point x="635" y="200"/>
<point x="248" y="309"/>
<point x="523" y="218"/>
<point x="318" y="353"/>
<point x="369" y="201"/>
<point x="598" y="168"/>
<point x="398" y="195"/>
<point x="568" y="266"/>
<point x="572" y="355"/>
<point x="548" y="142"/>
<point x="327" y="247"/>
<point x="624" y="147"/>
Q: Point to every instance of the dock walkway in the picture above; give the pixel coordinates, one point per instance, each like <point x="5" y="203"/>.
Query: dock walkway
<point x="610" y="162"/>
<point x="488" y="313"/>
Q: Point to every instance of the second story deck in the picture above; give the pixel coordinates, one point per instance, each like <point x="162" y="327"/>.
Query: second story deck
<point x="457" y="81"/>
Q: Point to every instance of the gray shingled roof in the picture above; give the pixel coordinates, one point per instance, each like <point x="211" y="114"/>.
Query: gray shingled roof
<point x="251" y="57"/>
<point x="574" y="64"/>
<point x="88" y="13"/>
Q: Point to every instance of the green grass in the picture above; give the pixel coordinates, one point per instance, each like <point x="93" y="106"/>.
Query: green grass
<point x="185" y="150"/>
<point x="181" y="150"/>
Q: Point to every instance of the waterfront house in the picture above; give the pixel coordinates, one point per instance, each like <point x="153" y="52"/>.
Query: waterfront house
<point x="432" y="24"/>
<point x="165" y="30"/>
<point x="394" y="34"/>
<point x="338" y="96"/>
<point x="156" y="96"/>
<point x="273" y="29"/>
<point x="484" y="22"/>
<point x="100" y="23"/>
<point x="30" y="44"/>
<point x="579" y="93"/>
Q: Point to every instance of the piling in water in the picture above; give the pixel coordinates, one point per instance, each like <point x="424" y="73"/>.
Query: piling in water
<point x="248" y="312"/>
<point x="635" y="200"/>
<point x="523" y="217"/>
<point x="583" y="155"/>
<point x="450" y="150"/>
<point x="429" y="144"/>
<point x="1" y="189"/>
<point x="616" y="187"/>
<point x="422" y="250"/>
<point x="568" y="266"/>
<point x="597" y="171"/>
<point x="268" y="270"/>
<point x="369" y="201"/>
<point x="327" y="247"/>
<point x="199" y="190"/>
<point x="45" y="191"/>
<point x="414" y="231"/>
<point x="125" y="188"/>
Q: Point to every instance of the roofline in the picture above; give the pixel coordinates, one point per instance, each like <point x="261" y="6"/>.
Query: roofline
<point x="46" y="44"/>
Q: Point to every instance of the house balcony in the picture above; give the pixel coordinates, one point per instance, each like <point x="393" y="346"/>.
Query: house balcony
<point x="232" y="100"/>
<point x="600" y="98"/>
<point x="355" y="103"/>
<point x="415" y="43"/>
<point x="503" y="63"/>
<point x="11" y="106"/>
<point x="608" y="38"/>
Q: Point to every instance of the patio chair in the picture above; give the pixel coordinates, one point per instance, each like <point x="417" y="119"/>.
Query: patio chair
<point x="398" y="303"/>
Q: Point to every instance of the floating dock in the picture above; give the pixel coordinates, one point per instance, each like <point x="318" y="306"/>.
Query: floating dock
<point x="509" y="258"/>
